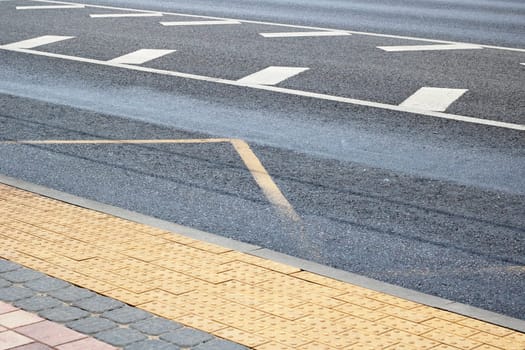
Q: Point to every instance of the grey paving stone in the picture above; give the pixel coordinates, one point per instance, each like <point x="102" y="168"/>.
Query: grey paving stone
<point x="220" y="344"/>
<point x="63" y="314"/>
<point x="186" y="337"/>
<point x="46" y="284"/>
<point x="98" y="304"/>
<point x="152" y="344"/>
<point x="14" y="293"/>
<point x="156" y="326"/>
<point x="126" y="315"/>
<point x="92" y="325"/>
<point x="4" y="283"/>
<point x="120" y="336"/>
<point x="21" y="275"/>
<point x="71" y="293"/>
<point x="38" y="303"/>
<point x="6" y="266"/>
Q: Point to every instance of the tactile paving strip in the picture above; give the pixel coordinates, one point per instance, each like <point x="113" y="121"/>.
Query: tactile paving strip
<point x="249" y="300"/>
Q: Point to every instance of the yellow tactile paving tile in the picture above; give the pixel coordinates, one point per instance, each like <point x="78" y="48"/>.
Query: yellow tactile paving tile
<point x="250" y="300"/>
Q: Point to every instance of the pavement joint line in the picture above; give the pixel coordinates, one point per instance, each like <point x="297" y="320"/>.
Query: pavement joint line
<point x="495" y="47"/>
<point x="250" y="160"/>
<point x="276" y="89"/>
<point x="323" y="272"/>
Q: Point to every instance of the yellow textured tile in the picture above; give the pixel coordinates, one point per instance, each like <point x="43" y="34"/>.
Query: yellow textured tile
<point x="316" y="346"/>
<point x="392" y="300"/>
<point x="446" y="315"/>
<point x="273" y="346"/>
<point x="516" y="337"/>
<point x="367" y="340"/>
<point x="366" y="326"/>
<point x="485" y="327"/>
<point x="361" y="312"/>
<point x="163" y="310"/>
<point x="404" y="325"/>
<point x="340" y="340"/>
<point x="415" y="315"/>
<point x="91" y="283"/>
<point x="482" y="347"/>
<point x="320" y="311"/>
<point x="409" y="339"/>
<point x="201" y="323"/>
<point x="128" y="297"/>
<point x="362" y="346"/>
<point x="244" y="338"/>
<point x="271" y="265"/>
<point x="500" y="342"/>
<point x="360" y="300"/>
<point x="451" y="327"/>
<point x="209" y="247"/>
<point x="285" y="337"/>
<point x="282" y="311"/>
<point x="322" y="280"/>
<point x="451" y="339"/>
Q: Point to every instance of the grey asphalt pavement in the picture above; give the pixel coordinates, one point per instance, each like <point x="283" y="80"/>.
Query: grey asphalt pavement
<point x="430" y="204"/>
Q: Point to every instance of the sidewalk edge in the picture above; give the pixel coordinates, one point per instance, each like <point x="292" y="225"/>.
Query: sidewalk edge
<point x="349" y="277"/>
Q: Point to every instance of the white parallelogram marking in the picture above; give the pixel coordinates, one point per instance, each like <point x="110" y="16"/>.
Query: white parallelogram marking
<point x="50" y="7"/>
<point x="430" y="47"/>
<point x="140" y="56"/>
<point x="124" y="15"/>
<point x="433" y="99"/>
<point x="35" y="42"/>
<point x="272" y="75"/>
<point x="198" y="23"/>
<point x="303" y="34"/>
<point x="292" y="92"/>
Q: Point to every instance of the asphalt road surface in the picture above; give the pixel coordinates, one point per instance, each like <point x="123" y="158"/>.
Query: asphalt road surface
<point x="398" y="155"/>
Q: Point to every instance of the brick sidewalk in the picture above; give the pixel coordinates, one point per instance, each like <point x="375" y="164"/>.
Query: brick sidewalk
<point x="21" y="330"/>
<point x="249" y="300"/>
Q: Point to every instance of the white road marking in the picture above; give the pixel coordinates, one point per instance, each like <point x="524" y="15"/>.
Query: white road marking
<point x="271" y="76"/>
<point x="35" y="42"/>
<point x="303" y="34"/>
<point x="140" y="56"/>
<point x="291" y="26"/>
<point x="350" y="101"/>
<point x="430" y="47"/>
<point x="433" y="99"/>
<point x="51" y="7"/>
<point x="125" y="15"/>
<point x="198" y="23"/>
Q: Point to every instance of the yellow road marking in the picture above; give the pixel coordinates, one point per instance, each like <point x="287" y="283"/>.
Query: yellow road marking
<point x="250" y="160"/>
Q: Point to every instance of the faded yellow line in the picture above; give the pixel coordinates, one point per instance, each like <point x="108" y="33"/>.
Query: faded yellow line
<point x="254" y="165"/>
<point x="263" y="179"/>
<point x="96" y="142"/>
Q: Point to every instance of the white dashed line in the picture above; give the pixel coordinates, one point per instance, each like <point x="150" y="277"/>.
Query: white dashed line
<point x="320" y="96"/>
<point x="197" y="23"/>
<point x="430" y="47"/>
<point x="433" y="99"/>
<point x="125" y="15"/>
<point x="50" y="7"/>
<point x="303" y="34"/>
<point x="286" y="25"/>
<point x="35" y="42"/>
<point x="140" y="56"/>
<point x="271" y="75"/>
